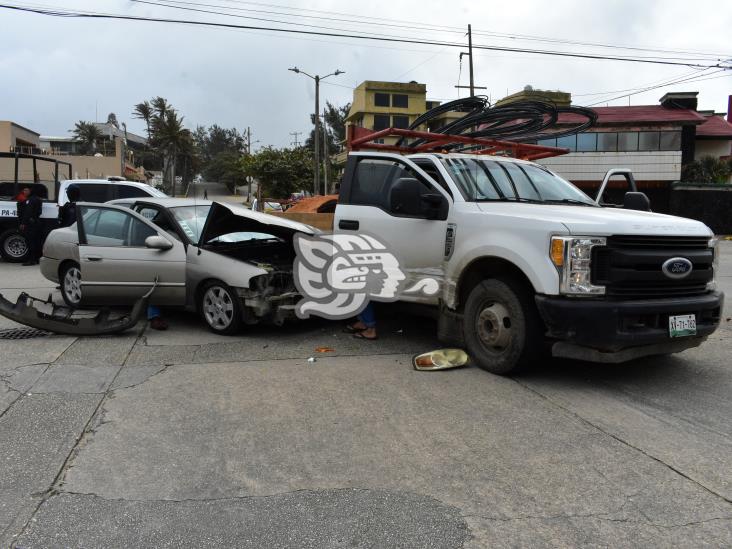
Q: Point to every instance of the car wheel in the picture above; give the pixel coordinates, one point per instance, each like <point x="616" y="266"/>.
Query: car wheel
<point x="221" y="309"/>
<point x="71" y="284"/>
<point x="13" y="246"/>
<point x="503" y="330"/>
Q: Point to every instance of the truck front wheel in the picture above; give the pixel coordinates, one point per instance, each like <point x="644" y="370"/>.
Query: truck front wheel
<point x="503" y="330"/>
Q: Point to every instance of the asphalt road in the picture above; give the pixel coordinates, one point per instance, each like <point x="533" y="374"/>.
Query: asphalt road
<point x="185" y="438"/>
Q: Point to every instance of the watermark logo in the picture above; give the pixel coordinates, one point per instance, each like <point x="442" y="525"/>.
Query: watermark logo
<point x="337" y="275"/>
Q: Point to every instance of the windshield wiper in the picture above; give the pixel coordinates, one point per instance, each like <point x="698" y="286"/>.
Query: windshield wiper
<point x="573" y="201"/>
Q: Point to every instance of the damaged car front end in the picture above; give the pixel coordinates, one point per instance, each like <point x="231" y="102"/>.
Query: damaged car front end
<point x="232" y="265"/>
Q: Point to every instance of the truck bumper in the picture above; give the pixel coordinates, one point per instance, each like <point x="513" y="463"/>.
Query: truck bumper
<point x="615" y="331"/>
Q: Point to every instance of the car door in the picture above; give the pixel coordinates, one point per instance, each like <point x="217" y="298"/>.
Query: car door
<point x="418" y="241"/>
<point x="116" y="265"/>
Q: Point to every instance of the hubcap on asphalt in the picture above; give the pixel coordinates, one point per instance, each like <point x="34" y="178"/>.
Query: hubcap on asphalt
<point x="218" y="307"/>
<point x="16" y="246"/>
<point x="72" y="285"/>
<point x="494" y="327"/>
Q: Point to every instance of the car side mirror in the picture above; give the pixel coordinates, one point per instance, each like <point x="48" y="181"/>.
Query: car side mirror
<point x="636" y="201"/>
<point x="157" y="242"/>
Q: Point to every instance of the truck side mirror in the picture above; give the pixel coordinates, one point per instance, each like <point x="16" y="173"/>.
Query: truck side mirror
<point x="406" y="197"/>
<point x="636" y="201"/>
<point x="434" y="206"/>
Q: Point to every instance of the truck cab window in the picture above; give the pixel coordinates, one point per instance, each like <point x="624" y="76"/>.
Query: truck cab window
<point x="374" y="178"/>
<point x="430" y="169"/>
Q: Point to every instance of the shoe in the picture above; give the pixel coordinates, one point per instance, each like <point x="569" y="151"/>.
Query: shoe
<point x="158" y="323"/>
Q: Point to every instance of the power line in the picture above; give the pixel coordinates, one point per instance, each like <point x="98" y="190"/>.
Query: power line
<point x="650" y="88"/>
<point x="172" y="5"/>
<point x="77" y="14"/>
<point x="382" y="21"/>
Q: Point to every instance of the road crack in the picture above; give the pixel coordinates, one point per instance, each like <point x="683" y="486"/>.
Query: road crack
<point x="623" y="441"/>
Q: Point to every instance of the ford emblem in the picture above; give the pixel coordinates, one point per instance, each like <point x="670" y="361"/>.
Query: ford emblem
<point x="677" y="267"/>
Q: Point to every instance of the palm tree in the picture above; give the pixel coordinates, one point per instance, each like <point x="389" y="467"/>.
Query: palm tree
<point x="88" y="135"/>
<point x="171" y="139"/>
<point x="144" y="111"/>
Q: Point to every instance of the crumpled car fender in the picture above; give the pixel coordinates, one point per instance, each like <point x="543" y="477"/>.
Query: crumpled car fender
<point x="60" y="321"/>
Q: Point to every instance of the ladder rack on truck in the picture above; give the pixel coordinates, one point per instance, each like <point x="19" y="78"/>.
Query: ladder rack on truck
<point x="363" y="139"/>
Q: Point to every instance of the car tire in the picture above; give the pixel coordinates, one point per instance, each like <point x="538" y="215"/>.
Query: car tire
<point x="70" y="282"/>
<point x="13" y="246"/>
<point x="220" y="308"/>
<point x="503" y="331"/>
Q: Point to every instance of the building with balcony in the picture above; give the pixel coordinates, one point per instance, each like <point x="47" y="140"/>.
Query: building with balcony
<point x="117" y="154"/>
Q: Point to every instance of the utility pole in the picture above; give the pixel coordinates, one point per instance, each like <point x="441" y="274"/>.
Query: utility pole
<point x="326" y="157"/>
<point x="317" y="78"/>
<point x="295" y="143"/>
<point x="317" y="134"/>
<point x="469" y="53"/>
<point x="249" y="152"/>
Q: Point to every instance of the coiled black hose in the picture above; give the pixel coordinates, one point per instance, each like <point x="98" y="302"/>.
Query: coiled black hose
<point x="523" y="121"/>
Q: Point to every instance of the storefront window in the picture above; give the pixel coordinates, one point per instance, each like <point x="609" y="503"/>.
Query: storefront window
<point x="670" y="141"/>
<point x="607" y="142"/>
<point x="648" y="141"/>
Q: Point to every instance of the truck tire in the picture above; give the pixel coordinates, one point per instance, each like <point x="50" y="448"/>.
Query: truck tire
<point x="70" y="282"/>
<point x="220" y="308"/>
<point x="503" y="331"/>
<point x="13" y="246"/>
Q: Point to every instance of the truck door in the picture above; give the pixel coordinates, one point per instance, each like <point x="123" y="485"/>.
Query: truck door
<point x="116" y="265"/>
<point x="368" y="205"/>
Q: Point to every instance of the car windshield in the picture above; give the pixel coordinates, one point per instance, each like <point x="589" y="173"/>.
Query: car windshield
<point x="482" y="180"/>
<point x="191" y="219"/>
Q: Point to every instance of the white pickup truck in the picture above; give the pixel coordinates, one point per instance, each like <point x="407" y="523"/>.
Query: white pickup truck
<point x="529" y="263"/>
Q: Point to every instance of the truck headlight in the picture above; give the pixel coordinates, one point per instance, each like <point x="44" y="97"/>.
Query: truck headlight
<point x="572" y="256"/>
<point x="714" y="245"/>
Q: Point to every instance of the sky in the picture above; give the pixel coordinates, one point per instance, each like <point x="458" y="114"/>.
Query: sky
<point x="56" y="71"/>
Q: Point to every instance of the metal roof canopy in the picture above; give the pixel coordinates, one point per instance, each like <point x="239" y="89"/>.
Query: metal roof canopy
<point x="362" y="139"/>
<point x="17" y="157"/>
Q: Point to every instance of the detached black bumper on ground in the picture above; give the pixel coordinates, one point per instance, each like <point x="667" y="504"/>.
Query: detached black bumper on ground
<point x="611" y="326"/>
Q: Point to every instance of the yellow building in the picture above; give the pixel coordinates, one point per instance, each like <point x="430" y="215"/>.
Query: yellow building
<point x="379" y="105"/>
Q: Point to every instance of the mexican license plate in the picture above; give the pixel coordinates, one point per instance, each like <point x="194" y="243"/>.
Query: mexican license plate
<point x="682" y="325"/>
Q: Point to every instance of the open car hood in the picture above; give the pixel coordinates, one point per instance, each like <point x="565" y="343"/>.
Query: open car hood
<point x="224" y="218"/>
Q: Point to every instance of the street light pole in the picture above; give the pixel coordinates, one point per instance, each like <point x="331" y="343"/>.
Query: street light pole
<point x="316" y="141"/>
<point x="317" y="134"/>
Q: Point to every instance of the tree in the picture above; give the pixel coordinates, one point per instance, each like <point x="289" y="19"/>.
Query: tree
<point x="280" y="172"/>
<point x="707" y="170"/>
<point x="88" y="135"/>
<point x="144" y="111"/>
<point x="335" y="121"/>
<point x="170" y="138"/>
<point x="227" y="168"/>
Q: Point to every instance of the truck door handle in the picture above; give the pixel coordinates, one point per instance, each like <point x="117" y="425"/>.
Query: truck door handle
<point x="348" y="224"/>
<point x="93" y="257"/>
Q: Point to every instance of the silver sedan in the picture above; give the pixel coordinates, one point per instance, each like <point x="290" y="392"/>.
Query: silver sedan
<point x="231" y="264"/>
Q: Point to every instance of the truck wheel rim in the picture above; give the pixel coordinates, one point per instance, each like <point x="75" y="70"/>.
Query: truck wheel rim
<point x="72" y="285"/>
<point x="493" y="326"/>
<point x="218" y="308"/>
<point x="16" y="246"/>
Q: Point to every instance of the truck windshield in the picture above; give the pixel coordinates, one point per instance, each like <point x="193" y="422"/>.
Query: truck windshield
<point x="485" y="180"/>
